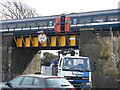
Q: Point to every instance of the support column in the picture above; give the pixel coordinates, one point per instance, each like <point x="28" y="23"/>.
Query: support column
<point x="118" y="79"/>
<point x="1" y="71"/>
<point x="34" y="65"/>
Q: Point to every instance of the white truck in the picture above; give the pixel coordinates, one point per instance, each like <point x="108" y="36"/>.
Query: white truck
<point x="76" y="69"/>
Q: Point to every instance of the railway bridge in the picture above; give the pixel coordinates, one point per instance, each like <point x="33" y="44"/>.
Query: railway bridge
<point x="97" y="36"/>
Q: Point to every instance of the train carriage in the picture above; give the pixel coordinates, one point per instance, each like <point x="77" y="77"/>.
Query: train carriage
<point x="73" y="22"/>
<point x="38" y="24"/>
<point x="94" y="20"/>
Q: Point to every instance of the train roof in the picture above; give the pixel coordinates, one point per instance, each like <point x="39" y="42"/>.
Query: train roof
<point x="31" y="19"/>
<point x="94" y="12"/>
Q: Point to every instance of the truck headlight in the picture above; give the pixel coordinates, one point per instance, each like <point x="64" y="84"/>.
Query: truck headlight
<point x="87" y="83"/>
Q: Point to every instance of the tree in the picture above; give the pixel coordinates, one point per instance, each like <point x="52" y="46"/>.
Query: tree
<point x="47" y="58"/>
<point x="16" y="10"/>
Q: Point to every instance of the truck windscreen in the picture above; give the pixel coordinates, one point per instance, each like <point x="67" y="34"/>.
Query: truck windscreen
<point x="76" y="64"/>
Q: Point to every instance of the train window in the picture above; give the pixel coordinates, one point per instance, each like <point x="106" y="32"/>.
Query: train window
<point x="11" y="26"/>
<point x="50" y="23"/>
<point x="74" y="21"/>
<point x="41" y="24"/>
<point x="20" y="25"/>
<point x="85" y="20"/>
<point x="36" y="24"/>
<point x="58" y="22"/>
<point x="99" y="19"/>
<point x="66" y="21"/>
<point x="26" y="25"/>
<point x="16" y="25"/>
<point x="32" y="24"/>
<point x="45" y="24"/>
<point x="4" y="26"/>
<point x="113" y="18"/>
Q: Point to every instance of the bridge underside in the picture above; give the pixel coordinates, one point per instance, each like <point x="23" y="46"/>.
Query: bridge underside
<point x="54" y="42"/>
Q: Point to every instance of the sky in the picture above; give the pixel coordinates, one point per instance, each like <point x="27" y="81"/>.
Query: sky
<point x="56" y="7"/>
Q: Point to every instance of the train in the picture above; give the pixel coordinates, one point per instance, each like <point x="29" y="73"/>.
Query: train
<point x="64" y="23"/>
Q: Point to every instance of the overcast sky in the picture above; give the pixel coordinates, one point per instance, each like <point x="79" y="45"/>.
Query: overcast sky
<point x="53" y="7"/>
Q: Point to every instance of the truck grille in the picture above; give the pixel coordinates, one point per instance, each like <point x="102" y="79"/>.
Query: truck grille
<point x="76" y="78"/>
<point x="75" y="83"/>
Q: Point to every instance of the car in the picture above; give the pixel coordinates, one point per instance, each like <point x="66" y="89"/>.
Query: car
<point x="37" y="82"/>
<point x="1" y="84"/>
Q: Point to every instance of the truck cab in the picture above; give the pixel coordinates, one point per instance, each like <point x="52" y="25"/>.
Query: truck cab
<point x="76" y="69"/>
